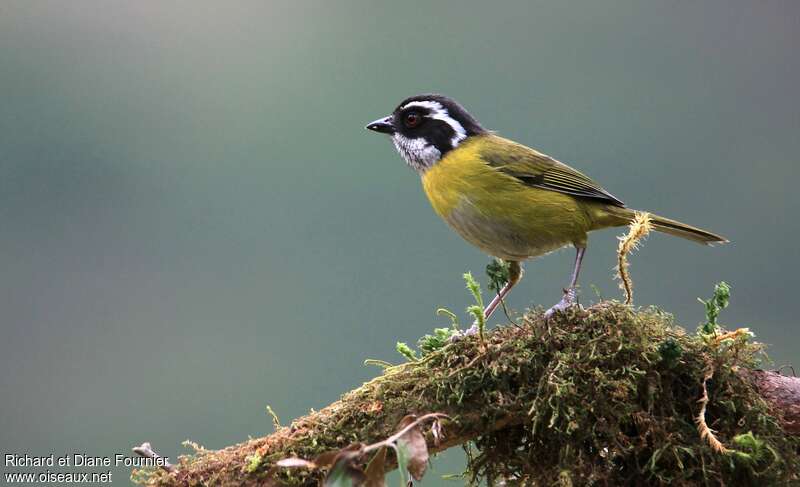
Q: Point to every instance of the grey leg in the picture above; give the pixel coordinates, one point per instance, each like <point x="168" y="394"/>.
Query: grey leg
<point x="515" y="275"/>
<point x="569" y="293"/>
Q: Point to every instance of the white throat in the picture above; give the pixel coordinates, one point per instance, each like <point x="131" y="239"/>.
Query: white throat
<point x="418" y="153"/>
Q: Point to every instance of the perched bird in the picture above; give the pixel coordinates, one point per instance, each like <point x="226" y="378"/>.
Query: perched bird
<point x="509" y="200"/>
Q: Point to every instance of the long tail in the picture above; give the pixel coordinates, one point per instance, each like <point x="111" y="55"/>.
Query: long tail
<point x="671" y="227"/>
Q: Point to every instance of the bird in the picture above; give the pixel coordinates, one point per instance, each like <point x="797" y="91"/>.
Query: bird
<point x="508" y="200"/>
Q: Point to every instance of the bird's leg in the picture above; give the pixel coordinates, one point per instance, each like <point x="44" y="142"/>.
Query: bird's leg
<point x="514" y="276"/>
<point x="569" y="297"/>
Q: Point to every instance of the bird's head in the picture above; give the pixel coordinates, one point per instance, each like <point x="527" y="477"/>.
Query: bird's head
<point x="425" y="127"/>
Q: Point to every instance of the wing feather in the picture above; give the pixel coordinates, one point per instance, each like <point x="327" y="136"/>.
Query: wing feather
<point x="538" y="170"/>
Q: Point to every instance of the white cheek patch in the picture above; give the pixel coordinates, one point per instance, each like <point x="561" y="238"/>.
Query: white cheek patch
<point x="438" y="112"/>
<point x="418" y="153"/>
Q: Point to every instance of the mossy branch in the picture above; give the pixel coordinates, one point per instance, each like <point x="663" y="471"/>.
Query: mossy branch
<point x="602" y="396"/>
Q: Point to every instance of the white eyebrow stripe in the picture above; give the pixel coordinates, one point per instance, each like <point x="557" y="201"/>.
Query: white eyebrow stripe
<point x="433" y="105"/>
<point x="439" y="112"/>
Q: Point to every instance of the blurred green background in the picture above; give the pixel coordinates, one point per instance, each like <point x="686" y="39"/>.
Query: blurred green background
<point x="195" y="223"/>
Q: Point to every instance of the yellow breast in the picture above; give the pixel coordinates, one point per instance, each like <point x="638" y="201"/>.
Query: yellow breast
<point x="458" y="175"/>
<point x="495" y="211"/>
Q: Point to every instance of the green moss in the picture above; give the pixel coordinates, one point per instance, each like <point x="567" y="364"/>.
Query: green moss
<point x="441" y="337"/>
<point x="406" y="351"/>
<point x="670" y="351"/>
<point x="714" y="305"/>
<point x="614" y="404"/>
<point x="253" y="462"/>
<point x="498" y="272"/>
<point x="605" y="396"/>
<point x="476" y="309"/>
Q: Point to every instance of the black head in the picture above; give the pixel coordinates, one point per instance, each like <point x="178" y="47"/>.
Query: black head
<point x="425" y="127"/>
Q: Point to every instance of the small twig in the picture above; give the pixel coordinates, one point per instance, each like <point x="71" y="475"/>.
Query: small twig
<point x="276" y="422"/>
<point x="638" y="229"/>
<point x="470" y="364"/>
<point x="378" y="363"/>
<point x="390" y="440"/>
<point x="508" y="316"/>
<point x="779" y="370"/>
<point x="732" y="335"/>
<point x="707" y="433"/>
<point x="146" y="451"/>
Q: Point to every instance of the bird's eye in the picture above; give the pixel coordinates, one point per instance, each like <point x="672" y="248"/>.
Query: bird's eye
<point x="412" y="120"/>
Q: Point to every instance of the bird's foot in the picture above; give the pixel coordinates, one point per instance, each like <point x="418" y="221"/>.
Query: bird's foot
<point x="569" y="299"/>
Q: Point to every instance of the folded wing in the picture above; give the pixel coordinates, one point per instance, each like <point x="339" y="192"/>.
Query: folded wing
<point x="538" y="170"/>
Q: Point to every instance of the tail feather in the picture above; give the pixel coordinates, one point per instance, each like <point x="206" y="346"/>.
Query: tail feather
<point x="673" y="227"/>
<point x="688" y="232"/>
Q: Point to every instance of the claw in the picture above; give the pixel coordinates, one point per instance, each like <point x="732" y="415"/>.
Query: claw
<point x="567" y="301"/>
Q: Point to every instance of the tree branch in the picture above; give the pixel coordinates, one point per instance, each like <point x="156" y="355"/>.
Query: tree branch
<point x="783" y="394"/>
<point x="605" y="393"/>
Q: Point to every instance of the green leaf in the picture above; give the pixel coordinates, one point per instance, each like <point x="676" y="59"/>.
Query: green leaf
<point x="341" y="469"/>
<point x="402" y="459"/>
<point x="440" y="338"/>
<point x="344" y="473"/>
<point x="499" y="273"/>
